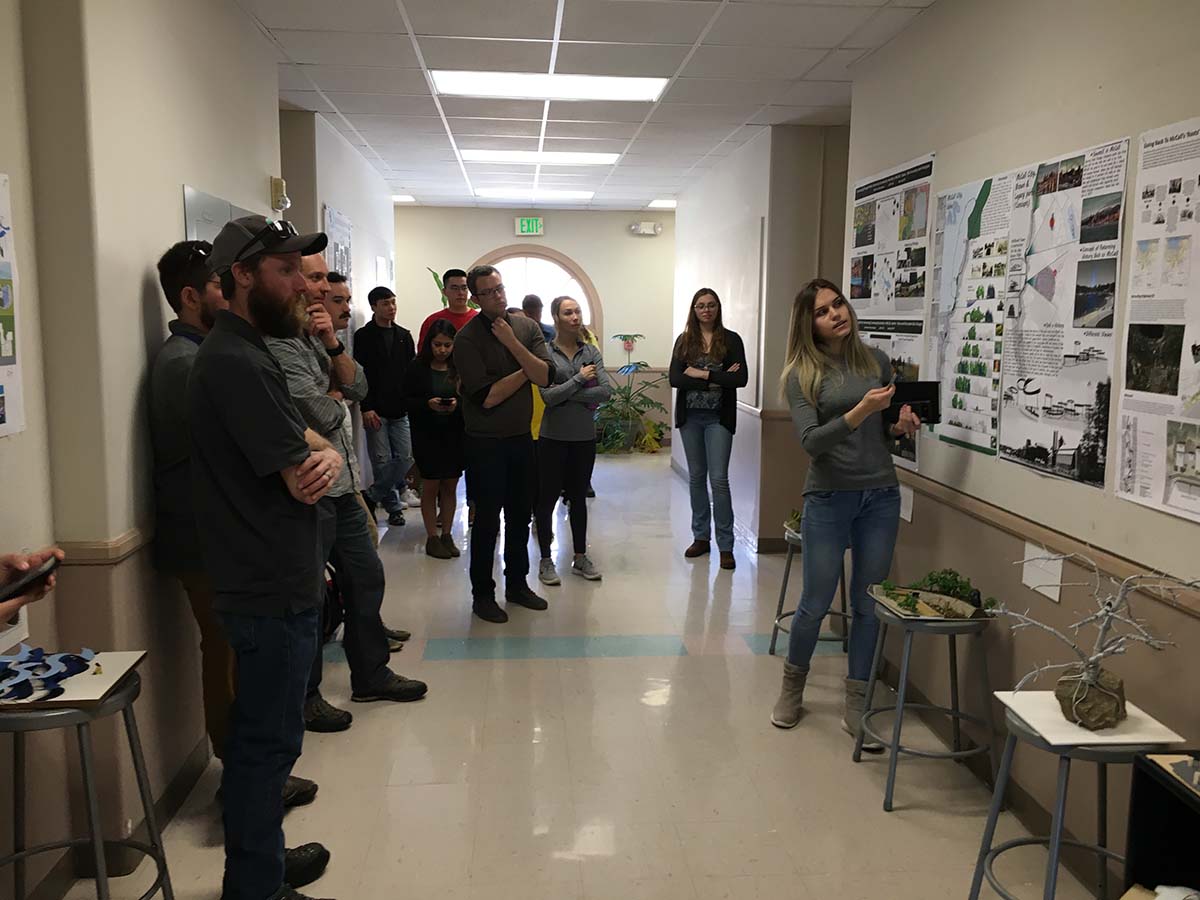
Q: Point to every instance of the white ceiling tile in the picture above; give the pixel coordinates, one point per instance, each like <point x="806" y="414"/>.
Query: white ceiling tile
<point x="746" y="133"/>
<point x="611" y="130"/>
<point x="620" y="20"/>
<point x="474" y="169"/>
<point x="291" y="79"/>
<point x="579" y="182"/>
<point x="598" y="111"/>
<point x="644" y="60"/>
<point x="483" y="18"/>
<point x="485" y="142"/>
<point x="412" y="141"/>
<point x="499" y="179"/>
<point x="703" y="114"/>
<point x="676" y="134"/>
<point x="802" y="115"/>
<point x="751" y="62"/>
<point x="669" y="166"/>
<point x="816" y="93"/>
<point x="589" y="171"/>
<point x="476" y="55"/>
<point x="722" y="90"/>
<point x="394" y="125"/>
<point x="586" y="145"/>
<point x="371" y="16"/>
<point x="835" y="67"/>
<point x="365" y="79"/>
<point x="507" y="127"/>
<point x="339" y="48"/>
<point x="466" y="107"/>
<point x="383" y="104"/>
<point x="875" y="3"/>
<point x="786" y="26"/>
<point x="310" y="100"/>
<point x="886" y="25"/>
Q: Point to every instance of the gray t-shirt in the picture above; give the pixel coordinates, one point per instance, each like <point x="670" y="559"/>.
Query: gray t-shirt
<point x="842" y="459"/>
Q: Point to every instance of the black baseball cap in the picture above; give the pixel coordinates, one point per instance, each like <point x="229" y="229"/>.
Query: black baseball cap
<point x="244" y="237"/>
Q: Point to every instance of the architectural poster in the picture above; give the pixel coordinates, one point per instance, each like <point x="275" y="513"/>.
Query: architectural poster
<point x="12" y="401"/>
<point x="337" y="254"/>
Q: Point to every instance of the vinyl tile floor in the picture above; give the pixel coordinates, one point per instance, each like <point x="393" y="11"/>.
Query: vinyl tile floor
<point x="615" y="746"/>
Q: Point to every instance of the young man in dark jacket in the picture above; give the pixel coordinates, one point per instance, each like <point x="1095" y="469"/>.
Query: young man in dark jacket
<point x="385" y="350"/>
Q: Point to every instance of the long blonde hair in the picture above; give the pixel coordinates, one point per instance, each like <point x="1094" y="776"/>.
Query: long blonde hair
<point x="810" y="361"/>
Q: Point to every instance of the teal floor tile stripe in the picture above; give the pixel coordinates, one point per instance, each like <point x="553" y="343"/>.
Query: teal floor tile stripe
<point x="554" y="647"/>
<point x="761" y="643"/>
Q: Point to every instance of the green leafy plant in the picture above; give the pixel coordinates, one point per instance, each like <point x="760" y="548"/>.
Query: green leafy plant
<point x="437" y="279"/>
<point x="622" y="421"/>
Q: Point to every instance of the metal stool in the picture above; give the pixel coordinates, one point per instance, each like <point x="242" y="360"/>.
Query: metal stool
<point x="794" y="544"/>
<point x="17" y="722"/>
<point x="951" y="628"/>
<point x="1101" y="756"/>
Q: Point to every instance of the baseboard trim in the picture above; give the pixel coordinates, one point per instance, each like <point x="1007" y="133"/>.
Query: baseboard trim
<point x="105" y="553"/>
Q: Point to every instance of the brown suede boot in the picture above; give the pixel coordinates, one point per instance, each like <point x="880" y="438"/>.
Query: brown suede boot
<point x="856" y="701"/>
<point x="698" y="548"/>
<point x="791" y="697"/>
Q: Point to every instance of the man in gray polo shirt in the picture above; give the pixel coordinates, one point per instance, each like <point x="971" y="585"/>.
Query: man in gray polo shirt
<point x="321" y="376"/>
<point x="498" y="359"/>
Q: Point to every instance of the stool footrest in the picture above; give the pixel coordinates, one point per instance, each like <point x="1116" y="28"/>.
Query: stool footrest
<point x="926" y="754"/>
<point x="1033" y="842"/>
<point x="141" y="847"/>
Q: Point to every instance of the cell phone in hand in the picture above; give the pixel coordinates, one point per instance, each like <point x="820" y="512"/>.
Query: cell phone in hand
<point x="27" y="581"/>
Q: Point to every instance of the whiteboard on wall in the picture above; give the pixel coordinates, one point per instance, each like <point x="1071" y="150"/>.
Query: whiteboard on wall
<point x="204" y="215"/>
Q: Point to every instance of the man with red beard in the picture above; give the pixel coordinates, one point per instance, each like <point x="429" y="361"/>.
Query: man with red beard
<point x="257" y="474"/>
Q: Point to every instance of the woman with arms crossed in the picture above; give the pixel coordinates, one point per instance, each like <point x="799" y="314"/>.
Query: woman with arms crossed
<point x="708" y="366"/>
<point x="837" y="388"/>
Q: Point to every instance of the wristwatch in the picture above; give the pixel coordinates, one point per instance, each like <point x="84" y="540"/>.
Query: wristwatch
<point x="336" y="351"/>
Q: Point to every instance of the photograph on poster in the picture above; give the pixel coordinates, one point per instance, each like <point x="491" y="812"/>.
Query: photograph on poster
<point x="1152" y="358"/>
<point x="914" y="217"/>
<point x="864" y="224"/>
<point x="862" y="270"/>
<point x="1177" y="261"/>
<point x="1145" y="265"/>
<point x="1182" y="486"/>
<point x="1101" y="218"/>
<point x="1095" y="294"/>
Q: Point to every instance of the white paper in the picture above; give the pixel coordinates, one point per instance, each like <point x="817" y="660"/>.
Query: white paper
<point x="12" y="399"/>
<point x="1041" y="712"/>
<point x="1158" y="417"/>
<point x="906" y="502"/>
<point x="1043" y="575"/>
<point x="337" y="254"/>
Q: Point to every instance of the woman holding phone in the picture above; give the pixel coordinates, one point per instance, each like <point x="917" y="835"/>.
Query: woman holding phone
<point x="837" y="388"/>
<point x="708" y="365"/>
<point x="430" y="392"/>
<point x="567" y="444"/>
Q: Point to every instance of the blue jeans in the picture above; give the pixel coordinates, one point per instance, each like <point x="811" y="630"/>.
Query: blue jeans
<point x="866" y="522"/>
<point x="707" y="444"/>
<point x="266" y="729"/>
<point x="390" y="449"/>
<point x="351" y="549"/>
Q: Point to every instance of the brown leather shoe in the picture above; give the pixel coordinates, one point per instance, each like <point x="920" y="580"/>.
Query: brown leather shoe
<point x="727" y="560"/>
<point x="698" y="548"/>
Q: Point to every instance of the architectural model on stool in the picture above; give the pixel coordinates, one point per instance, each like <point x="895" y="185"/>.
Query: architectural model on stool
<point x="1090" y="695"/>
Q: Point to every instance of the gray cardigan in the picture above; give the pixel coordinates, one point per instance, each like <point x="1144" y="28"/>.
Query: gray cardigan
<point x="568" y="416"/>
<point x="842" y="459"/>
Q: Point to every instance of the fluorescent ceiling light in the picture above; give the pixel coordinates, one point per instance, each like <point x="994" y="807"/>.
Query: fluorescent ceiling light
<point x="541" y="157"/>
<point x="403" y="198"/>
<point x="662" y="204"/>
<point x="510" y="193"/>
<point x="540" y="86"/>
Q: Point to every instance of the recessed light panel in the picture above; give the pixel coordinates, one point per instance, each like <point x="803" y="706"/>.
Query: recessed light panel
<point x="542" y="86"/>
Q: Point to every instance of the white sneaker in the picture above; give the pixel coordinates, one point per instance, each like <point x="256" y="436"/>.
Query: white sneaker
<point x="547" y="573"/>
<point x="410" y="499"/>
<point x="585" y="568"/>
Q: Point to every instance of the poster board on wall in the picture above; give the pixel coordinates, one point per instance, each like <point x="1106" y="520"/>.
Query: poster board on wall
<point x="205" y="214"/>
<point x="12" y="396"/>
<point x="338" y="255"/>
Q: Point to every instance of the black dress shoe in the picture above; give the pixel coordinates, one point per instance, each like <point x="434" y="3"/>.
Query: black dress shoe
<point x="304" y="864"/>
<point x="393" y="687"/>
<point x="321" y="717"/>
<point x="489" y="610"/>
<point x="290" y="893"/>
<point x="522" y="596"/>
<point x="371" y="504"/>
<point x="298" y="791"/>
<point x="397" y="634"/>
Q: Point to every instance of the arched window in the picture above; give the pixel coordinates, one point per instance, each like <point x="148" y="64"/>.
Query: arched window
<point x="534" y="269"/>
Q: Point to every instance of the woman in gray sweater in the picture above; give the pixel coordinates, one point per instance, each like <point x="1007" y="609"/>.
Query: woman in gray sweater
<point x="837" y="388"/>
<point x="567" y="440"/>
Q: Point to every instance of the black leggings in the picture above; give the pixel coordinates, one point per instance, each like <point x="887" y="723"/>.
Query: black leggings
<point x="564" y="466"/>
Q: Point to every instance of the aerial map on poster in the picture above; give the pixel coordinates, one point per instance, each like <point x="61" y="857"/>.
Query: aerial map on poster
<point x="888" y="246"/>
<point x="1158" y="418"/>
<point x="12" y="404"/>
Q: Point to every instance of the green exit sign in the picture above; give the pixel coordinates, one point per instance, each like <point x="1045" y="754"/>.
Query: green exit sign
<point x="529" y="225"/>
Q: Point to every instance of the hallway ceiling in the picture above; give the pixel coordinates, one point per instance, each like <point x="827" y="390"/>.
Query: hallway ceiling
<point x="734" y="68"/>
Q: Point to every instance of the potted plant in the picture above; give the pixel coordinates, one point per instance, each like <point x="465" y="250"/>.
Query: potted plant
<point x="622" y="421"/>
<point x="437" y="279"/>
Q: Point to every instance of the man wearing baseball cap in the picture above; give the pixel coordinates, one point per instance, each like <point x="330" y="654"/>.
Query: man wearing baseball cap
<point x="257" y="474"/>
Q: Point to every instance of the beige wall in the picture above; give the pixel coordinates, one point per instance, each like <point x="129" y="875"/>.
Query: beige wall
<point x="975" y="87"/>
<point x="632" y="275"/>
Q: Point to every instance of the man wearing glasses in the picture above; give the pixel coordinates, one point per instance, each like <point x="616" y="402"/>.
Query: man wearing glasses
<point x="257" y="474"/>
<point x="458" y="311"/>
<point x="498" y="359"/>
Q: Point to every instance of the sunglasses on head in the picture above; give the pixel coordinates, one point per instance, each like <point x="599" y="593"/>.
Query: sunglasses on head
<point x="281" y="229"/>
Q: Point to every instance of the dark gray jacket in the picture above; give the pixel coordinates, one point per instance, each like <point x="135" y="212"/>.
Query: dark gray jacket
<point x="571" y="405"/>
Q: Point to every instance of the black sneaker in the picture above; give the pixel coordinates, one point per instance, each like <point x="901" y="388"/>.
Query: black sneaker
<point x="396" y="518"/>
<point x="395" y="646"/>
<point x="397" y="634"/>
<point x="523" y="596"/>
<point x="489" y="610"/>
<point x="393" y="687"/>
<point x="298" y="792"/>
<point x="304" y="864"/>
<point x="591" y="491"/>
<point x="321" y="717"/>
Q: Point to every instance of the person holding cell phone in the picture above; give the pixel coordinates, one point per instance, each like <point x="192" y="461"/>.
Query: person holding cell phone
<point x="837" y="388"/>
<point x="32" y="574"/>
<point x="431" y="398"/>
